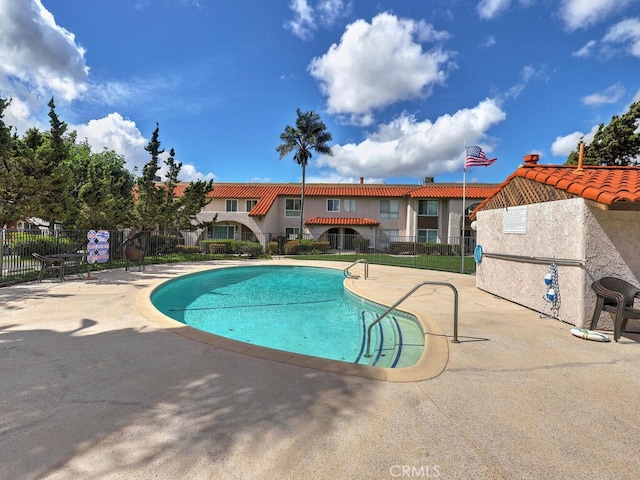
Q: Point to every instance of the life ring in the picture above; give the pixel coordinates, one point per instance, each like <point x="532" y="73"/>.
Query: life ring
<point x="589" y="334"/>
<point x="477" y="253"/>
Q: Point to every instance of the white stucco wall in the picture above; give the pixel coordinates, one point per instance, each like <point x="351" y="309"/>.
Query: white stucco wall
<point x="607" y="241"/>
<point x="553" y="230"/>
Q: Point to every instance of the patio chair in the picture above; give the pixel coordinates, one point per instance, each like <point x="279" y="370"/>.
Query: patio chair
<point x="132" y="254"/>
<point x="55" y="264"/>
<point x="615" y="296"/>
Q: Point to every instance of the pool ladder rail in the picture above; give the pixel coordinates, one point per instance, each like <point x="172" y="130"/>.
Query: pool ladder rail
<point x="407" y="295"/>
<point x="381" y="341"/>
<point x="348" y="274"/>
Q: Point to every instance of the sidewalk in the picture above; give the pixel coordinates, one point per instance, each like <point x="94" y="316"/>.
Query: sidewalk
<point x="91" y="389"/>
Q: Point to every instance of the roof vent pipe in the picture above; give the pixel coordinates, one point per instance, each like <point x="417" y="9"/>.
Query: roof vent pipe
<point x="580" y="170"/>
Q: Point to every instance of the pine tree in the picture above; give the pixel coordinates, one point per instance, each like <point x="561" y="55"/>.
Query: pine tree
<point x="617" y="143"/>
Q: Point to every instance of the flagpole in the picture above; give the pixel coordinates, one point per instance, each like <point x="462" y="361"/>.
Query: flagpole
<point x="464" y="200"/>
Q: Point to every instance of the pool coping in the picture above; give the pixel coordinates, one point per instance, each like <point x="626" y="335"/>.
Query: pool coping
<point x="431" y="363"/>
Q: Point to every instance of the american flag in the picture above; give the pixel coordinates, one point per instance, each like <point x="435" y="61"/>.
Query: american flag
<point x="477" y="158"/>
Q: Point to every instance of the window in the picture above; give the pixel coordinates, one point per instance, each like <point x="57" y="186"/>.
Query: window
<point x="222" y="232"/>
<point x="350" y="205"/>
<point x="428" y="235"/>
<point x="428" y="208"/>
<point x="231" y="206"/>
<point x="292" y="207"/>
<point x="250" y="204"/>
<point x="333" y="205"/>
<point x="389" y="208"/>
<point x="291" y="233"/>
<point x="387" y="236"/>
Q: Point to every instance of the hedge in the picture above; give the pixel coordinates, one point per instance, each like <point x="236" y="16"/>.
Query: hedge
<point x="238" y="247"/>
<point x="305" y="247"/>
<point x="187" y="249"/>
<point x="44" y="245"/>
<point x="417" y="248"/>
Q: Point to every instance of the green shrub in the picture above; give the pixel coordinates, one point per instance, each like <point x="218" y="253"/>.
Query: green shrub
<point x="252" y="249"/>
<point x="187" y="249"/>
<point x="431" y="248"/>
<point x="292" y="247"/>
<point x="273" y="248"/>
<point x="217" y="248"/>
<point x="305" y="247"/>
<point x="320" y="247"/>
<point x="44" y="245"/>
<point x="230" y="246"/>
<point x="361" y="244"/>
<point x="223" y="246"/>
<point x="407" y="248"/>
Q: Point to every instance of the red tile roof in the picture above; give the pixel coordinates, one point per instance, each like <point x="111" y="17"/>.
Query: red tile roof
<point x="266" y="193"/>
<point x="255" y="190"/>
<point x="473" y="190"/>
<point x="611" y="186"/>
<point x="341" y="221"/>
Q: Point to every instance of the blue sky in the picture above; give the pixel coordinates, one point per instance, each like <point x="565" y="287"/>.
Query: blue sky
<point x="401" y="85"/>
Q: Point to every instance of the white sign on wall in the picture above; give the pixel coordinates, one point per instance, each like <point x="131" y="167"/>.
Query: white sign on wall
<point x="514" y="220"/>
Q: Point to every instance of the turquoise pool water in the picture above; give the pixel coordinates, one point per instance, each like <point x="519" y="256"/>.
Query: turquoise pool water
<point x="296" y="309"/>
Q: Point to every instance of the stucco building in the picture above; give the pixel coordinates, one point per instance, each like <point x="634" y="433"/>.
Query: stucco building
<point x="338" y="213"/>
<point x="585" y="221"/>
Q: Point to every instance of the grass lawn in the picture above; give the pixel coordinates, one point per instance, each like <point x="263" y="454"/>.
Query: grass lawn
<point x="430" y="262"/>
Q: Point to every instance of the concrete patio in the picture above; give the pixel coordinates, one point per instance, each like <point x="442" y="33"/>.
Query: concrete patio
<point x="92" y="389"/>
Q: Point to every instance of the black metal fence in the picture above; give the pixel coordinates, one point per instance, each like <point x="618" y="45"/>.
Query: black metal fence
<point x="105" y="250"/>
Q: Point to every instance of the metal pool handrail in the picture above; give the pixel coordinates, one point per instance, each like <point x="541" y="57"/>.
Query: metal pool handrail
<point x="347" y="273"/>
<point x="404" y="297"/>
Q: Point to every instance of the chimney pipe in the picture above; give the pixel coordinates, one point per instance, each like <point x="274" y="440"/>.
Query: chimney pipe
<point x="580" y="170"/>
<point x="361" y="180"/>
<point x="531" y="160"/>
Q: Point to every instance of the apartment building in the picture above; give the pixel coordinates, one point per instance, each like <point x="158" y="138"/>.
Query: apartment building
<point x="338" y="213"/>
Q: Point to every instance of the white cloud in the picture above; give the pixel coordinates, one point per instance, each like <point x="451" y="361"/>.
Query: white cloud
<point x="489" y="9"/>
<point x="37" y="54"/>
<point x="379" y="63"/>
<point x="578" y="14"/>
<point x="115" y="133"/>
<point x="527" y="74"/>
<point x="330" y="11"/>
<point x="407" y="147"/>
<point x="586" y="50"/>
<point x="306" y="17"/>
<point x="626" y="32"/>
<point x="489" y="41"/>
<point x="121" y="135"/>
<point x="610" y="95"/>
<point x="623" y="37"/>
<point x="189" y="173"/>
<point x="333" y="177"/>
<point x="303" y="23"/>
<point x="563" y="146"/>
<point x="19" y="115"/>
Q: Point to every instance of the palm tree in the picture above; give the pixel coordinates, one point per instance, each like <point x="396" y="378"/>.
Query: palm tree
<point x="310" y="133"/>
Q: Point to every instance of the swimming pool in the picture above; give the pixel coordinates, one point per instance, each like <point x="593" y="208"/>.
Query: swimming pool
<point x="304" y="310"/>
